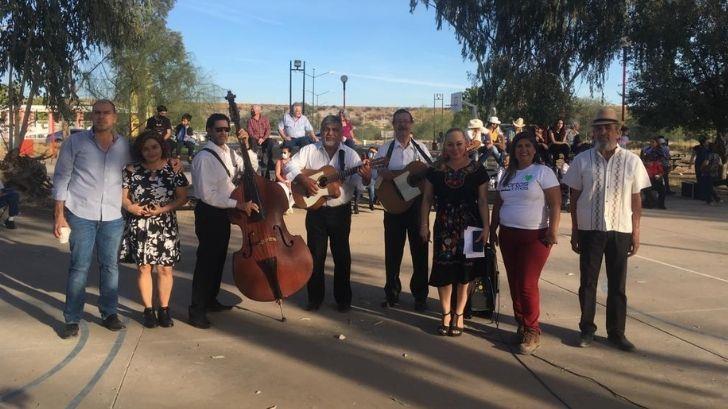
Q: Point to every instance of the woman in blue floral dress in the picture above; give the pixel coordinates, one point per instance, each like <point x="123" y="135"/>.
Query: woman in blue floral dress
<point x="459" y="188"/>
<point x="152" y="191"/>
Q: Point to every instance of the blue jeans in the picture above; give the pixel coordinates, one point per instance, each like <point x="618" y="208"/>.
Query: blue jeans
<point x="492" y="150"/>
<point x="299" y="142"/>
<point x="106" y="236"/>
<point x="10" y="198"/>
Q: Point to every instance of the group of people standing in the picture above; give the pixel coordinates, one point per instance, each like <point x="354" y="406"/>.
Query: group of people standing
<point x="94" y="181"/>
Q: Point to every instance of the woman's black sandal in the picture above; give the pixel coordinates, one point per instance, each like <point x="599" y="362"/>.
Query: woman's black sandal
<point x="455" y="331"/>
<point x="442" y="329"/>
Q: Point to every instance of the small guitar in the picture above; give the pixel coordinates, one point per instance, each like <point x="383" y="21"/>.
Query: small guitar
<point x="398" y="194"/>
<point x="328" y="180"/>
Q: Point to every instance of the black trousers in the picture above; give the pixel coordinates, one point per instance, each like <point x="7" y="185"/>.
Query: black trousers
<point x="595" y="245"/>
<point x="265" y="156"/>
<point x="322" y="225"/>
<point x="212" y="227"/>
<point x="397" y="228"/>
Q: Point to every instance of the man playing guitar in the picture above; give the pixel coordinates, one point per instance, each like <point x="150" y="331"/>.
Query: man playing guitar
<point x="397" y="227"/>
<point x="332" y="221"/>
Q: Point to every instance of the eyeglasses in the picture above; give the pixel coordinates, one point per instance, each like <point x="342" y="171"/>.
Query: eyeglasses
<point x="222" y="129"/>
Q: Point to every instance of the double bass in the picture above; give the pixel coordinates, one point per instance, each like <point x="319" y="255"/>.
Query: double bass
<point x="272" y="264"/>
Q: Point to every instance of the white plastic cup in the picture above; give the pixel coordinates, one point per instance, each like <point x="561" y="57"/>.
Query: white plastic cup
<point x="65" y="234"/>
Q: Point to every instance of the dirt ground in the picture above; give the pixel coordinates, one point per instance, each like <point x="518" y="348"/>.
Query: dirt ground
<point x="390" y="358"/>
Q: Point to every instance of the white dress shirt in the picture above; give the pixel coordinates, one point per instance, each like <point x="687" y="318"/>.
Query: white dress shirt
<point x="210" y="181"/>
<point x="605" y="203"/>
<point x="402" y="155"/>
<point x="314" y="156"/>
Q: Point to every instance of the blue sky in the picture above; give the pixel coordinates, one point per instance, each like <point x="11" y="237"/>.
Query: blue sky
<point x="392" y="57"/>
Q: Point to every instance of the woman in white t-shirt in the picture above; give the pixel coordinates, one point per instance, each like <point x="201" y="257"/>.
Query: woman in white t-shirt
<point x="527" y="209"/>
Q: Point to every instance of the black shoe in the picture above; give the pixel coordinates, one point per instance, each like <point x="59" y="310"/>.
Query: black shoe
<point x="390" y="303"/>
<point x="586" y="339"/>
<point x="163" y="317"/>
<point x="621" y="342"/>
<point x="421" y="306"/>
<point x="70" y="330"/>
<point x="216" y="306"/>
<point x="343" y="307"/>
<point x="10" y="224"/>
<point x="150" y="320"/>
<point x="198" y="319"/>
<point x="313" y="306"/>
<point x="112" y="323"/>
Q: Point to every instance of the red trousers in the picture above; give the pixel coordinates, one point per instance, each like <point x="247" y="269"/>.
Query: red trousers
<point x="524" y="256"/>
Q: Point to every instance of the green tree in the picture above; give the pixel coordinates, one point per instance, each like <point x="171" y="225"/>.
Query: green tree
<point x="530" y="54"/>
<point x="43" y="43"/>
<point x="680" y="64"/>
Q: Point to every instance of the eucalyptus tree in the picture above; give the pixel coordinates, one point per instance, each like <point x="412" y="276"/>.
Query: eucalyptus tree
<point x="531" y="54"/>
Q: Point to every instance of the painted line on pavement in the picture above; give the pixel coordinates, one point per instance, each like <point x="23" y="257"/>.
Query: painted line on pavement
<point x="99" y="372"/>
<point x="682" y="268"/>
<point x="37" y="381"/>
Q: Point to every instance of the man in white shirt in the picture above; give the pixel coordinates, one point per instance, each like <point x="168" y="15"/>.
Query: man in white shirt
<point x="402" y="150"/>
<point x="332" y="221"/>
<point x="295" y="128"/>
<point x="605" y="184"/>
<point x="213" y="170"/>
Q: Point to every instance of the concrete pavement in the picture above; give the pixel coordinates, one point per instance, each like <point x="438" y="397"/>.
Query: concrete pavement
<point x="677" y="289"/>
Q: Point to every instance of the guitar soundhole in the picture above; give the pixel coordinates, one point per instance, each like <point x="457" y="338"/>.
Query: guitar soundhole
<point x="323" y="181"/>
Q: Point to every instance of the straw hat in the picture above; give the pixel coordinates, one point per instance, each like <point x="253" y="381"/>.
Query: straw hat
<point x="494" y="120"/>
<point x="519" y="123"/>
<point x="475" y="124"/>
<point x="605" y="116"/>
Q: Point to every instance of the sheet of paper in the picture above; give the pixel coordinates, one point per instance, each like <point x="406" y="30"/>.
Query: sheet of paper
<point x="469" y="240"/>
<point x="408" y="192"/>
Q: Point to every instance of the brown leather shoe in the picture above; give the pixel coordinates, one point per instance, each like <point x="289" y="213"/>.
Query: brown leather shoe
<point x="531" y="342"/>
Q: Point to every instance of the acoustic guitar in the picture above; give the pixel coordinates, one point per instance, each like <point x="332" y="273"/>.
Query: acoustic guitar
<point x="398" y="194"/>
<point x="328" y="179"/>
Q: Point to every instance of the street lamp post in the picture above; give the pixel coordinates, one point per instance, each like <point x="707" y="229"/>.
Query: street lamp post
<point x="344" y="78"/>
<point x="318" y="95"/>
<point x="295" y="65"/>
<point x="313" y="85"/>
<point x="436" y="97"/>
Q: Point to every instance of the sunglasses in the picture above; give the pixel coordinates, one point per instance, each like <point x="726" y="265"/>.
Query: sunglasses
<point x="222" y="129"/>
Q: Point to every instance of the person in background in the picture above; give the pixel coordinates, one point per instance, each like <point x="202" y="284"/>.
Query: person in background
<point x="259" y="132"/>
<point x="653" y="156"/>
<point x="710" y="167"/>
<point x="666" y="164"/>
<point x="10" y="198"/>
<point x="623" y="137"/>
<point x="493" y="142"/>
<point x="557" y="141"/>
<point x="163" y="126"/>
<point x="184" y="135"/>
<point x="281" y="176"/>
<point x="542" y="147"/>
<point x="151" y="192"/>
<point x="347" y="130"/>
<point x="527" y="210"/>
<point x="571" y="133"/>
<point x="295" y="128"/>
<point x="458" y="187"/>
<point x="518" y="126"/>
<point x="371" y="154"/>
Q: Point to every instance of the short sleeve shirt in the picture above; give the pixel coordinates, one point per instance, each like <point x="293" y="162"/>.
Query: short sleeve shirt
<point x="159" y="124"/>
<point x="524" y="202"/>
<point x="605" y="203"/>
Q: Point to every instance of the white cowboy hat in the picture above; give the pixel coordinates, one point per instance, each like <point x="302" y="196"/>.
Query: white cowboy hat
<point x="475" y="124"/>
<point x="494" y="120"/>
<point x="519" y="123"/>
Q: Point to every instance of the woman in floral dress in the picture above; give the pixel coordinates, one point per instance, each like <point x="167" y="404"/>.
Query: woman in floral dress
<point x="459" y="187"/>
<point x="152" y="191"/>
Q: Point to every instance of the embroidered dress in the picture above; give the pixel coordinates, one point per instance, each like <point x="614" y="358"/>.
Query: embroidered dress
<point x="152" y="240"/>
<point x="456" y="200"/>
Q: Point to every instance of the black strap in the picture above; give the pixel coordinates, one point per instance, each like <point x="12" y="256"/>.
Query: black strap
<point x="390" y="150"/>
<point x="219" y="160"/>
<point x="422" y="152"/>
<point x="341" y="159"/>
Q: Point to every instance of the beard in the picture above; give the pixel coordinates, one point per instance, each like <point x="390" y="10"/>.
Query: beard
<point x="330" y="142"/>
<point x="605" y="145"/>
